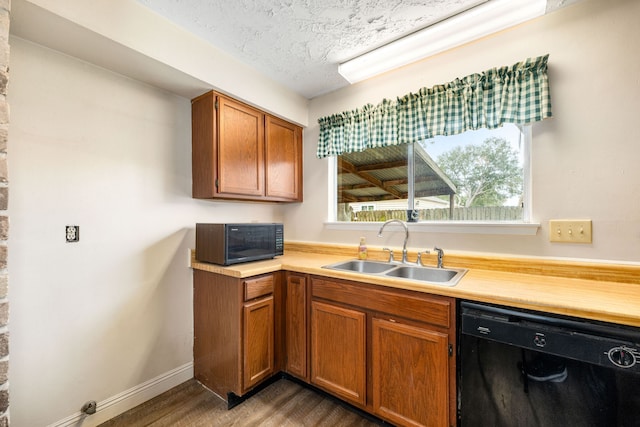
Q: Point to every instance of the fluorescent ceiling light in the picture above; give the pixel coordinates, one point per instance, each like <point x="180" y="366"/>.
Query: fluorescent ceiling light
<point x="488" y="18"/>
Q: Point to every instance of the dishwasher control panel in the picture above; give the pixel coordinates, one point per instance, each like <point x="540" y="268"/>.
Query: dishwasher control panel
<point x="578" y="339"/>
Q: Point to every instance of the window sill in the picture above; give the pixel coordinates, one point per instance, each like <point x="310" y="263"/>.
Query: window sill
<point x="511" y="228"/>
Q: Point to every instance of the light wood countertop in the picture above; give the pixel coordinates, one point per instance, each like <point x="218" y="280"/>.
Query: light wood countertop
<point x="560" y="293"/>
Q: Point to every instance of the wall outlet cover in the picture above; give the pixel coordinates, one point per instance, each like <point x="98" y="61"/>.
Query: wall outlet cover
<point x="72" y="233"/>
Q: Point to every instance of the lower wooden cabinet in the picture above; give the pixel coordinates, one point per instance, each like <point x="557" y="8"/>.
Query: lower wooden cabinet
<point x="258" y="344"/>
<point x="234" y="331"/>
<point x="338" y="351"/>
<point x="388" y="351"/>
<point x="296" y="325"/>
<point x="410" y="366"/>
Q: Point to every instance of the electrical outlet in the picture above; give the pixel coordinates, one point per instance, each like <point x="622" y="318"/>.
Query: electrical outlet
<point x="72" y="233"/>
<point x="570" y="230"/>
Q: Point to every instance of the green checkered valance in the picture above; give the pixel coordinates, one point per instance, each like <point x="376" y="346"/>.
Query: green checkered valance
<point x="517" y="94"/>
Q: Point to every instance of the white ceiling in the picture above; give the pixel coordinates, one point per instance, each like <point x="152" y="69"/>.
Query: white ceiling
<point x="300" y="43"/>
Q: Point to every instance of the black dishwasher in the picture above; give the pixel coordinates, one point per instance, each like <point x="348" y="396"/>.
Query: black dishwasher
<point x="525" y="368"/>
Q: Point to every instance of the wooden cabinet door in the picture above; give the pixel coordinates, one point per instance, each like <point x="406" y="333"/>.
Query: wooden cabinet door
<point x="258" y="341"/>
<point x="296" y="325"/>
<point x="410" y="374"/>
<point x="240" y="160"/>
<point x="239" y="152"/>
<point x="338" y="361"/>
<point x="283" y="160"/>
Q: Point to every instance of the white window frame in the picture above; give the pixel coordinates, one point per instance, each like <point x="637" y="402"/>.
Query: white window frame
<point x="526" y="227"/>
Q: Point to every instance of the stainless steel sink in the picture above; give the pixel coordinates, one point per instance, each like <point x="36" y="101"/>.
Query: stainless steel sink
<point x="425" y="274"/>
<point x="361" y="266"/>
<point x="439" y="276"/>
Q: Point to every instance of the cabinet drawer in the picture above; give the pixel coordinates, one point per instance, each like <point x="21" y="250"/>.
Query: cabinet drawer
<point x="260" y="286"/>
<point x="432" y="309"/>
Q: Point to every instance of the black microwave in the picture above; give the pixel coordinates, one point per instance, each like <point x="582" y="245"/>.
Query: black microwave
<point x="227" y="244"/>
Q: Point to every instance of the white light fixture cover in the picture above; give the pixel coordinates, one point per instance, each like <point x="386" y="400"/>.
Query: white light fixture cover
<point x="488" y="18"/>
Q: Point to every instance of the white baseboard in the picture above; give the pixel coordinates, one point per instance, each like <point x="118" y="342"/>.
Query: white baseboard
<point x="128" y="399"/>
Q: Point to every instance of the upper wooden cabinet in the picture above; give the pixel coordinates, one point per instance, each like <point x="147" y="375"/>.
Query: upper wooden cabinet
<point x="242" y="153"/>
<point x="240" y="145"/>
<point x="283" y="160"/>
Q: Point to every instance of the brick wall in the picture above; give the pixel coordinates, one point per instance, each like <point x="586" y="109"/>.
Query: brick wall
<point x="5" y="7"/>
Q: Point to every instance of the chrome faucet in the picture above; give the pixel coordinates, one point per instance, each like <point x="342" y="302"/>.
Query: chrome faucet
<point x="440" y="256"/>
<point x="406" y="237"/>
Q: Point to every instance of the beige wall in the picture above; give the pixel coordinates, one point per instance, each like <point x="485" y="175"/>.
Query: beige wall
<point x="584" y="160"/>
<point x="130" y="39"/>
<point x="92" y="319"/>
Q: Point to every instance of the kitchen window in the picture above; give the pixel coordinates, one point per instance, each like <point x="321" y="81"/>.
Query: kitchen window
<point x="438" y="155"/>
<point x="477" y="176"/>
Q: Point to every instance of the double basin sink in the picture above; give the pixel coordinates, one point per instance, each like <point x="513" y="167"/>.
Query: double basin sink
<point x="416" y="273"/>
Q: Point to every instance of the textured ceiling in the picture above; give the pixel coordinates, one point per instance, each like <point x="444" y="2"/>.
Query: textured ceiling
<point x="300" y="43"/>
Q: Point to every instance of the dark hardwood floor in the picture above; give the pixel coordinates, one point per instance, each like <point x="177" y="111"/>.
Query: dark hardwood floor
<point x="283" y="403"/>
